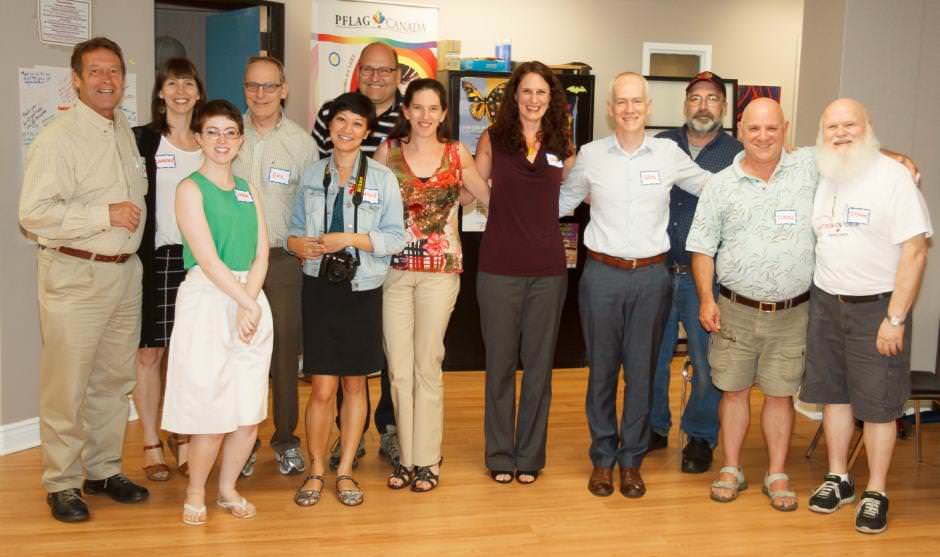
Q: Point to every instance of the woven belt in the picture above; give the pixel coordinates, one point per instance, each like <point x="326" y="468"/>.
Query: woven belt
<point x="863" y="299"/>
<point x="628" y="264"/>
<point x="82" y="254"/>
<point x="763" y="306"/>
<point x="679" y="269"/>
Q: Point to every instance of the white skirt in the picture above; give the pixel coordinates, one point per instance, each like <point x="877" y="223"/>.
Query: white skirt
<point x="215" y="383"/>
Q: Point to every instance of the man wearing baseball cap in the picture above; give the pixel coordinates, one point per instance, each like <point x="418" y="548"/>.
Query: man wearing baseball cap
<point x="703" y="139"/>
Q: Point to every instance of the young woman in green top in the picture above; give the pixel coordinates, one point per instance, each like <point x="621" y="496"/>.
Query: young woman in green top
<point x="220" y="349"/>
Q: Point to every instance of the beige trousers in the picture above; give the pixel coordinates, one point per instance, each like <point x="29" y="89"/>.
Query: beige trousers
<point x="89" y="312"/>
<point x="416" y="307"/>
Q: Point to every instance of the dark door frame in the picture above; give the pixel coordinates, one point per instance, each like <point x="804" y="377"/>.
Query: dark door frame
<point x="272" y="41"/>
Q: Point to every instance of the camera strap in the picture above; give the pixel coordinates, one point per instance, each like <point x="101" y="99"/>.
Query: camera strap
<point x="358" y="191"/>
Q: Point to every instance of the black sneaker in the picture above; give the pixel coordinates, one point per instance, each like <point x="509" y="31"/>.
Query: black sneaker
<point x="67" y="505"/>
<point x="696" y="456"/>
<point x="117" y="487"/>
<point x="832" y="494"/>
<point x="871" y="514"/>
<point x="657" y="441"/>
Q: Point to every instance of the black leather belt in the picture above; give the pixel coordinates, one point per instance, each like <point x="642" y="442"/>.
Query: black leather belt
<point x="863" y="299"/>
<point x="680" y="269"/>
<point x="763" y="306"/>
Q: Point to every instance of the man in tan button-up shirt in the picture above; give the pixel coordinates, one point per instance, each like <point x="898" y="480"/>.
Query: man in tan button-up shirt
<point x="83" y="199"/>
<point x="272" y="159"/>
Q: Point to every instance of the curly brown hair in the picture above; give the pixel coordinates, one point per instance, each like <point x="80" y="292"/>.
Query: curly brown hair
<point x="555" y="132"/>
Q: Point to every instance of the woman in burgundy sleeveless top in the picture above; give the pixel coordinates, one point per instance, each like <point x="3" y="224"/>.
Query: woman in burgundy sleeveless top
<point x="522" y="278"/>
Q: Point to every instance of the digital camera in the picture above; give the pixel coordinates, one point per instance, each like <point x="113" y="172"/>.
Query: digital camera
<point x="338" y="267"/>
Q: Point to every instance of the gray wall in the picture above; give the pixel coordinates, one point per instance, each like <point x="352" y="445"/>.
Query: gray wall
<point x="888" y="57"/>
<point x="186" y="25"/>
<point x="130" y="24"/>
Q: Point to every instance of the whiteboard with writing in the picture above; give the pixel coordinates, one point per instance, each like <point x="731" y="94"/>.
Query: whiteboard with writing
<point x="46" y="91"/>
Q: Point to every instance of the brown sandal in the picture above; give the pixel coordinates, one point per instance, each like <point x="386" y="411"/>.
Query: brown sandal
<point x="158" y="472"/>
<point x="174" y="442"/>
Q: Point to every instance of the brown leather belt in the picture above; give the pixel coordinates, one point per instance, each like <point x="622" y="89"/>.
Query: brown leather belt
<point x="763" y="306"/>
<point x="863" y="299"/>
<point x="628" y="264"/>
<point x="680" y="269"/>
<point x="82" y="254"/>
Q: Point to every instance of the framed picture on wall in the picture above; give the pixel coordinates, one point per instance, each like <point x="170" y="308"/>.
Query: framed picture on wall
<point x="668" y="95"/>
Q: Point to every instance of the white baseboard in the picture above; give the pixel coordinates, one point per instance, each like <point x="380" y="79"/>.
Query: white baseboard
<point x="23" y="435"/>
<point x="19" y="436"/>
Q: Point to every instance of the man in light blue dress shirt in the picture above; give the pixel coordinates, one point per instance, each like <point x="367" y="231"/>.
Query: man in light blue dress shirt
<point x="625" y="289"/>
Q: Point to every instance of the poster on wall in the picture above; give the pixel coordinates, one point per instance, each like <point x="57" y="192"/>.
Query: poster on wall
<point x="64" y="22"/>
<point x="747" y="93"/>
<point x="341" y="28"/>
<point x="46" y="92"/>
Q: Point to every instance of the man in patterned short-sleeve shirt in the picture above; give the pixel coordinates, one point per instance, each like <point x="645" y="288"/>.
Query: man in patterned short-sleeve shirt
<point x="755" y="218"/>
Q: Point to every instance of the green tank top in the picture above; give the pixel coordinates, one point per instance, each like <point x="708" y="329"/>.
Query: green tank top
<point x="232" y="220"/>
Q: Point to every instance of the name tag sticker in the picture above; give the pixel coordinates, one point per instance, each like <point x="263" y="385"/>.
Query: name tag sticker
<point x="832" y="229"/>
<point x="785" y="216"/>
<point x="858" y="215"/>
<point x="554" y="161"/>
<point x="650" y="178"/>
<point x="370" y="195"/>
<point x="279" y="176"/>
<point x="243" y="196"/>
<point x="167" y="160"/>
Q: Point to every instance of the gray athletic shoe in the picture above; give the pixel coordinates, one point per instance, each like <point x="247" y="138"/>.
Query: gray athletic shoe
<point x="291" y="461"/>
<point x="389" y="447"/>
<point x="334" y="453"/>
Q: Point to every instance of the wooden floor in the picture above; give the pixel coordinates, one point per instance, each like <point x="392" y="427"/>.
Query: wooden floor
<point x="471" y="515"/>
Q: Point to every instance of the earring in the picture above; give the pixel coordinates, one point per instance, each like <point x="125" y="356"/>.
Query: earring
<point x="162" y="109"/>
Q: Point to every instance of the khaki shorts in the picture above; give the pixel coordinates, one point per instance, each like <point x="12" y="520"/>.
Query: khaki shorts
<point x="759" y="348"/>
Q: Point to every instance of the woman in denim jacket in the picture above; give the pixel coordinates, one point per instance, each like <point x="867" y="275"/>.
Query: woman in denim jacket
<point x="345" y="227"/>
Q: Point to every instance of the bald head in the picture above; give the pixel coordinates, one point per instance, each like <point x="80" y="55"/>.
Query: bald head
<point x="762" y="131"/>
<point x="379" y="49"/>
<point x="843" y="123"/>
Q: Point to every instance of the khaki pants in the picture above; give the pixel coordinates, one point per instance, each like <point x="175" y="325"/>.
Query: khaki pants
<point x="415" y="310"/>
<point x="90" y="317"/>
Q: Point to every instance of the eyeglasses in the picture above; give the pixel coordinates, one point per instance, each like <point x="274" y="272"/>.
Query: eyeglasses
<point x="253" y="87"/>
<point x="382" y="71"/>
<point x="227" y="133"/>
<point x="710" y="99"/>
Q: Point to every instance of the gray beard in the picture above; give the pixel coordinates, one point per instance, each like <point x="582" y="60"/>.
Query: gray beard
<point x="699" y="126"/>
<point x="841" y="167"/>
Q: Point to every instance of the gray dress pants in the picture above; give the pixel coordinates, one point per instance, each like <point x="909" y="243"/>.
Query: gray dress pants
<point x="518" y="316"/>
<point x="622" y="316"/>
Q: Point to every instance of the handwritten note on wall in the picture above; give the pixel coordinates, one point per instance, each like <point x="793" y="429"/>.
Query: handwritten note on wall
<point x="46" y="92"/>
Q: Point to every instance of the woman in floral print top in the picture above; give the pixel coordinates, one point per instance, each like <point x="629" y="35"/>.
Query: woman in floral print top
<point x="419" y="293"/>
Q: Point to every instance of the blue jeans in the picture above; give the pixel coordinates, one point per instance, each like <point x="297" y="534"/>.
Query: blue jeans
<point x="700" y="418"/>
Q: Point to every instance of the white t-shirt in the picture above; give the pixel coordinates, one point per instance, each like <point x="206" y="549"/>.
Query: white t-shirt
<point x="860" y="225"/>
<point x="173" y="165"/>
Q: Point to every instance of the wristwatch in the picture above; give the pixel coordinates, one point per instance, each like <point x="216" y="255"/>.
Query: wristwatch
<point x="894" y="320"/>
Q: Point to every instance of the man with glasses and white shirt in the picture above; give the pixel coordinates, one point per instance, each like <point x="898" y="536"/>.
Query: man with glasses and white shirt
<point x="272" y="159"/>
<point x="379" y="78"/>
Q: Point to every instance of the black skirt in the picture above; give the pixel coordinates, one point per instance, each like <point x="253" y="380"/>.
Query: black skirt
<point x="165" y="274"/>
<point x="342" y="329"/>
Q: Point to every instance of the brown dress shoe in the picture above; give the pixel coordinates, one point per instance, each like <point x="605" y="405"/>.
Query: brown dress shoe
<point x="631" y="483"/>
<point x="602" y="481"/>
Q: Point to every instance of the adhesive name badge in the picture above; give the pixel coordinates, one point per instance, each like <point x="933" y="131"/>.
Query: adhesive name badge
<point x="279" y="176"/>
<point x="552" y="160"/>
<point x="243" y="196"/>
<point x="832" y="229"/>
<point x="370" y="195"/>
<point x="785" y="216"/>
<point x="166" y="160"/>
<point x="650" y="178"/>
<point x="858" y="215"/>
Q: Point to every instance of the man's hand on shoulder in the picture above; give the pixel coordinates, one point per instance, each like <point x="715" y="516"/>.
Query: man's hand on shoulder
<point x="124" y="215"/>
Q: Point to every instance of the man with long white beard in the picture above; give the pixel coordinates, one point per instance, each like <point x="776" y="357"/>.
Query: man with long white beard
<point x="872" y="226"/>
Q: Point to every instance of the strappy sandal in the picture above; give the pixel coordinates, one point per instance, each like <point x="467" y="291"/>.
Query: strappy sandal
<point x="349" y="497"/>
<point x="158" y="472"/>
<point x="239" y="509"/>
<point x="424" y="474"/>
<point x="194" y="516"/>
<point x="774" y="496"/>
<point x="402" y="475"/>
<point x="309" y="497"/>
<point x="174" y="442"/>
<point x="495" y="474"/>
<point x="738" y="485"/>
<point x="533" y="473"/>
